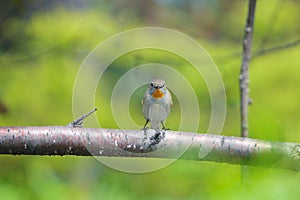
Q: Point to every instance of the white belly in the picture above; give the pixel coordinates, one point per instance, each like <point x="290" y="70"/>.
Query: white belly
<point x="157" y="114"/>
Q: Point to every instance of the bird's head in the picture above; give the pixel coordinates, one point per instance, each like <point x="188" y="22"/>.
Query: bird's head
<point x="157" y="87"/>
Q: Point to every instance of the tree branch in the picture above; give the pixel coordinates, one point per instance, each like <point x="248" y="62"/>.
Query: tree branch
<point x="244" y="74"/>
<point x="64" y="140"/>
<point x="261" y="52"/>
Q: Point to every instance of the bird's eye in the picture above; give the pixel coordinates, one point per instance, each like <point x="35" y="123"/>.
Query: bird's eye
<point x="151" y="84"/>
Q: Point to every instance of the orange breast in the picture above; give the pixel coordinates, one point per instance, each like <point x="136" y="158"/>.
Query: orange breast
<point x="157" y="94"/>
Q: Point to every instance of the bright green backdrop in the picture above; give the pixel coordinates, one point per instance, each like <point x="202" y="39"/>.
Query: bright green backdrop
<point x="42" y="47"/>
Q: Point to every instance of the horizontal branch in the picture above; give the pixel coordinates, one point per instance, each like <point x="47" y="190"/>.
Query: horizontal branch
<point x="64" y="140"/>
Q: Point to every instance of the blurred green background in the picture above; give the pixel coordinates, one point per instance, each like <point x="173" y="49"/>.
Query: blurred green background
<point x="43" y="43"/>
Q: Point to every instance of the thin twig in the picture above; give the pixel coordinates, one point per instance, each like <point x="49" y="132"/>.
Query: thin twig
<point x="78" y="122"/>
<point x="244" y="74"/>
<point x="64" y="140"/>
<point x="261" y="52"/>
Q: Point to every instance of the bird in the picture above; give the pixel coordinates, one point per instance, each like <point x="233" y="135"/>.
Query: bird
<point x="157" y="102"/>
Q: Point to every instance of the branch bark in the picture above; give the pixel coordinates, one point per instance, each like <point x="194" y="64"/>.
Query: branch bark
<point x="244" y="74"/>
<point x="64" y="140"/>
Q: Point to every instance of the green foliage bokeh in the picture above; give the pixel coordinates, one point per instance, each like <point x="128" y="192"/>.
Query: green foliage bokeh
<point x="38" y="70"/>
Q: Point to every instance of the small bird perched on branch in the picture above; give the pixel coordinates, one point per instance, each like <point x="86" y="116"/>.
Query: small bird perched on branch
<point x="157" y="104"/>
